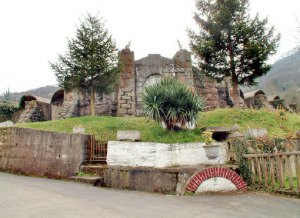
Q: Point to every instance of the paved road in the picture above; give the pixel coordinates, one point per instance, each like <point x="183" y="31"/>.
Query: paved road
<point x="23" y="197"/>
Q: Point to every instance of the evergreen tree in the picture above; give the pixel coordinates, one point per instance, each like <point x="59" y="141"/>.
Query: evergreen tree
<point x="230" y="43"/>
<point x="91" y="62"/>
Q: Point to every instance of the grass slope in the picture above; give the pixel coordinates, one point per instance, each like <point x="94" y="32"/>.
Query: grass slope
<point x="152" y="132"/>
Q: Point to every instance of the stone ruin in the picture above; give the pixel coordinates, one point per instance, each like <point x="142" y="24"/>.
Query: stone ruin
<point x="137" y="75"/>
<point x="258" y="99"/>
<point x="33" y="109"/>
<point x="126" y="100"/>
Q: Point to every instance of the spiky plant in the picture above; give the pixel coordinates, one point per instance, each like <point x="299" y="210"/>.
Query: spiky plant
<point x="172" y="103"/>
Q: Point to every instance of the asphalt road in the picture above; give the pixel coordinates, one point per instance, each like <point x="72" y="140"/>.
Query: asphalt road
<point x="22" y="197"/>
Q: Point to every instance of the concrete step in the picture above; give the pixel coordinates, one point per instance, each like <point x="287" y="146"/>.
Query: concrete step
<point x="96" y="181"/>
<point x="97" y="170"/>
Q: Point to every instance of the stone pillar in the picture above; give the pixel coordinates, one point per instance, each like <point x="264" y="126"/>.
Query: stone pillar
<point x="183" y="64"/>
<point x="126" y="90"/>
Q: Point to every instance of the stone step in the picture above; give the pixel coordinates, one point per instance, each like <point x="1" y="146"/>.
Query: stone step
<point x="96" y="181"/>
<point x="97" y="170"/>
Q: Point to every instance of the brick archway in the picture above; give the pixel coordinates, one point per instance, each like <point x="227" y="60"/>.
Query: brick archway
<point x="199" y="177"/>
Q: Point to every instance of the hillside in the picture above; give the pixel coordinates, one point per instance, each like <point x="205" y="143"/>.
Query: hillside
<point x="152" y="132"/>
<point x="283" y="79"/>
<point x="286" y="72"/>
<point x="44" y="92"/>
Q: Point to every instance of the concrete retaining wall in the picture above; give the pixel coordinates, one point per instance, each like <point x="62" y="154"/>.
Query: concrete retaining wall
<point x="43" y="153"/>
<point x="149" y="154"/>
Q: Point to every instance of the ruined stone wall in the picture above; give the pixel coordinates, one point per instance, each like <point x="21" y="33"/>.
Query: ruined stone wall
<point x="42" y="153"/>
<point x="151" y="69"/>
<point x="215" y="93"/>
<point x="33" y="112"/>
<point x="281" y="104"/>
<point x="77" y="104"/>
<point x="258" y="101"/>
<point x="126" y="90"/>
<point x="183" y="67"/>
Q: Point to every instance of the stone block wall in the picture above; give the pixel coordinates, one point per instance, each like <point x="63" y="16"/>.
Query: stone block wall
<point x="216" y="94"/>
<point x="126" y="102"/>
<point x="43" y="153"/>
<point x="77" y="104"/>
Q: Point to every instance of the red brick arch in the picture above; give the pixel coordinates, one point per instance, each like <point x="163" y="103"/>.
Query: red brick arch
<point x="196" y="180"/>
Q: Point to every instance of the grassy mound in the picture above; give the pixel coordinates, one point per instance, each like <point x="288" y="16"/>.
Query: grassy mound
<point x="279" y="124"/>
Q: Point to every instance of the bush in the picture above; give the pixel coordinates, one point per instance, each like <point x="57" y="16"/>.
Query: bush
<point x="7" y="109"/>
<point x="172" y="103"/>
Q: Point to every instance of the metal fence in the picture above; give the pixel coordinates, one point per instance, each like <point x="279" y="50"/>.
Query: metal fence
<point x="97" y="146"/>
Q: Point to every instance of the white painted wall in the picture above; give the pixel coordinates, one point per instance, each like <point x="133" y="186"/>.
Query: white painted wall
<point x="149" y="154"/>
<point x="216" y="184"/>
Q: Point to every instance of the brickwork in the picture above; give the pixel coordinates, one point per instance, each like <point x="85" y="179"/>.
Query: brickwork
<point x="126" y="88"/>
<point x="208" y="173"/>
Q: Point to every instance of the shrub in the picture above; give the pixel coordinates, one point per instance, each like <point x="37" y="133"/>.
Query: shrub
<point x="172" y="103"/>
<point x="7" y="108"/>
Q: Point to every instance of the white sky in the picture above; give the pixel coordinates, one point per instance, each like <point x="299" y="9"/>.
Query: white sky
<point x="34" y="32"/>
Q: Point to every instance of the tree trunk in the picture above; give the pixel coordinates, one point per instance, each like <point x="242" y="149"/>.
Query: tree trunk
<point x="92" y="100"/>
<point x="236" y="96"/>
<point x="234" y="79"/>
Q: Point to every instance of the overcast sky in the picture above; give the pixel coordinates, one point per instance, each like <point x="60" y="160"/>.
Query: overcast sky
<point x="34" y="32"/>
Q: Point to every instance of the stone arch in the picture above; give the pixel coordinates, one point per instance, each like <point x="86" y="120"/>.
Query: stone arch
<point x="196" y="180"/>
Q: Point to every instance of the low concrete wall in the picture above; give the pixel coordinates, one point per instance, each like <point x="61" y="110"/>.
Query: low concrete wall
<point x="161" y="180"/>
<point x="43" y="153"/>
<point x="149" y="154"/>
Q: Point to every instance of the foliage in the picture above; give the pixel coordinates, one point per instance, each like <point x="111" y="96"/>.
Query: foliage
<point x="91" y="62"/>
<point x="208" y="137"/>
<point x="230" y="43"/>
<point x="263" y="145"/>
<point x="7" y="109"/>
<point x="172" y="103"/>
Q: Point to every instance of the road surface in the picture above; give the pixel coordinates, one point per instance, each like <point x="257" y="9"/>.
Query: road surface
<point x="22" y="197"/>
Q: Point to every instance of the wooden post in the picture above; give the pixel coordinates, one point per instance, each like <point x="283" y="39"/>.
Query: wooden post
<point x="272" y="171"/>
<point x="278" y="163"/>
<point x="297" y="168"/>
<point x="253" y="169"/>
<point x="289" y="170"/>
<point x="265" y="171"/>
<point x="259" y="170"/>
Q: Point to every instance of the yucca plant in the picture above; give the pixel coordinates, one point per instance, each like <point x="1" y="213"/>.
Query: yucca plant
<point x="172" y="103"/>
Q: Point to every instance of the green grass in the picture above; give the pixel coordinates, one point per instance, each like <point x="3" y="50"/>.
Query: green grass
<point x="276" y="126"/>
<point x="152" y="132"/>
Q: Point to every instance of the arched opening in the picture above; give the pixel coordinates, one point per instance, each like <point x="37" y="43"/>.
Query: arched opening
<point x="57" y="101"/>
<point x="26" y="98"/>
<point x="152" y="79"/>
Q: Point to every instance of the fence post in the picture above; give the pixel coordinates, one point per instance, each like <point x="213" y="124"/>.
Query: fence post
<point x="265" y="171"/>
<point x="272" y="171"/>
<point x="289" y="170"/>
<point x="296" y="160"/>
